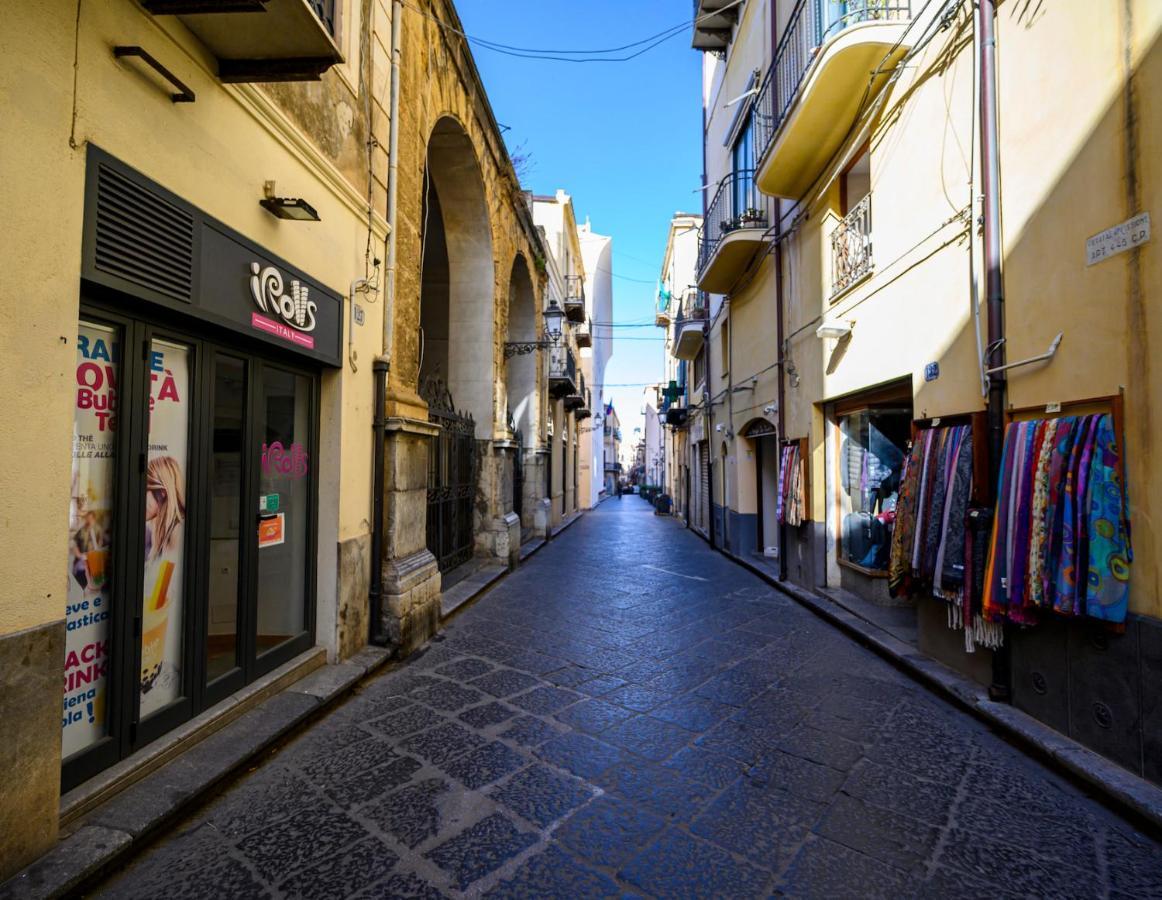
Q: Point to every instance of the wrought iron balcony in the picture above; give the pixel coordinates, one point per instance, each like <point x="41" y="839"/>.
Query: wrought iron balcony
<point x="662" y="308"/>
<point x="689" y="325"/>
<point x="260" y="40"/>
<point x="813" y="90"/>
<point x="585" y="410"/>
<point x="575" y="298"/>
<point x="733" y="229"/>
<point x="583" y="334"/>
<point x="562" y="372"/>
<point x="851" y="247"/>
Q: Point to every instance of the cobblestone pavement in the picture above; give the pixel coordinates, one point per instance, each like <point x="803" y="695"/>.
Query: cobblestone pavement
<point x="631" y="714"/>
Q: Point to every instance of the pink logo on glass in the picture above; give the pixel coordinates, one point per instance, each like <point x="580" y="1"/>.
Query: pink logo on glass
<point x="282" y="462"/>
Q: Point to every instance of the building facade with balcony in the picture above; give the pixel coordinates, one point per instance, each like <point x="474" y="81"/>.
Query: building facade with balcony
<point x="930" y="255"/>
<point x="677" y="304"/>
<point x="597" y="255"/>
<point x="569" y="399"/>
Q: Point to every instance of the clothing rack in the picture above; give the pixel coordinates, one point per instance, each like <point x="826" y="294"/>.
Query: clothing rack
<point x="1114" y="404"/>
<point x="980" y="459"/>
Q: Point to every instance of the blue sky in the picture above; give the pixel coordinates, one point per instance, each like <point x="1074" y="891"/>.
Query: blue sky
<point x="621" y="138"/>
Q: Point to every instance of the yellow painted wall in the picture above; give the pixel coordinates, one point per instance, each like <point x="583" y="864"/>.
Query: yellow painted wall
<point x="216" y="153"/>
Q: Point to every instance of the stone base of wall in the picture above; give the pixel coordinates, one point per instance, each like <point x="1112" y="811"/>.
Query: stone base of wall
<point x="353" y="618"/>
<point x="31" y="664"/>
<point x="411" y="600"/>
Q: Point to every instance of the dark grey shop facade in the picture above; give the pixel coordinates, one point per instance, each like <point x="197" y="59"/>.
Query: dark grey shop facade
<point x="193" y="514"/>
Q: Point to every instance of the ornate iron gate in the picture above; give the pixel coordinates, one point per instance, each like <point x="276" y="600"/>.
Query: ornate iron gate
<point x="452" y="470"/>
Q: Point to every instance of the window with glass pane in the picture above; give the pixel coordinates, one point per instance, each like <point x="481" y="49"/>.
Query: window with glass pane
<point x="284" y="506"/>
<point x="742" y="159"/>
<point x="163" y="603"/>
<point x="873" y="443"/>
<point x="225" y="512"/>
<point x="88" y="602"/>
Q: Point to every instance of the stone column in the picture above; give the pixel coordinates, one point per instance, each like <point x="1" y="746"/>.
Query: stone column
<point x="499" y="533"/>
<point x="411" y="576"/>
<point x="536" y="506"/>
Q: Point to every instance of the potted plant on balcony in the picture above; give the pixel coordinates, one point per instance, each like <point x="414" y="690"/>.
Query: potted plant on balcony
<point x="751" y="218"/>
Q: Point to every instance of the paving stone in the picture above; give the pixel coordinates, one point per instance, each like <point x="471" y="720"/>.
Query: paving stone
<point x="195" y="865"/>
<point x="540" y="795"/>
<point x="601" y="685"/>
<point x="371" y="783"/>
<point x="303" y="838"/>
<point x="481" y="767"/>
<point x="826" y="869"/>
<point x="552" y="873"/>
<point x="480" y="849"/>
<point x="487" y="714"/>
<point x="401" y="886"/>
<point x="890" y="788"/>
<point x="447" y="697"/>
<point x="889" y="837"/>
<point x="405" y="682"/>
<point x="637" y="698"/>
<point x="1018" y="868"/>
<point x="713" y="769"/>
<point x="677" y="865"/>
<point x="821" y="747"/>
<point x="337" y="877"/>
<point x="662" y="790"/>
<point x="412" y="814"/>
<point x="545" y="700"/>
<point x="569" y="677"/>
<point x="406" y="720"/>
<point x="609" y="831"/>
<point x="442" y="743"/>
<point x="504" y="682"/>
<point x="693" y="713"/>
<point x="795" y="775"/>
<point x="768" y="827"/>
<point x="529" y="731"/>
<point x="594" y="716"/>
<point x="463" y="669"/>
<point x="580" y="754"/>
<point x="649" y="737"/>
<point x="271" y="794"/>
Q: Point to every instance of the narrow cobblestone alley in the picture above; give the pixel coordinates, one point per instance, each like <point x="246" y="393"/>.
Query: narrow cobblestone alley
<point x="666" y="725"/>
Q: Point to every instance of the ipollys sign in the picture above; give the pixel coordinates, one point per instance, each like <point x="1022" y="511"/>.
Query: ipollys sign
<point x="295" y="310"/>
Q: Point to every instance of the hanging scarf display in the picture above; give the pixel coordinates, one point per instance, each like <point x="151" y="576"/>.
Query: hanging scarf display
<point x="936" y="546"/>
<point x="1061" y="537"/>
<point x="790" y="506"/>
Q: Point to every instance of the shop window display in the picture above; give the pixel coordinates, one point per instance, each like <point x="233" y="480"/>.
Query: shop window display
<point x="873" y="444"/>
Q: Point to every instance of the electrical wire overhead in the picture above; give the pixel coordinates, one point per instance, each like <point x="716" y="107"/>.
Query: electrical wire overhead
<point x="642" y="46"/>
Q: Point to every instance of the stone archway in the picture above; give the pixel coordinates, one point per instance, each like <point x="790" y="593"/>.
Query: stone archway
<point x="456" y="281"/>
<point x="523" y="399"/>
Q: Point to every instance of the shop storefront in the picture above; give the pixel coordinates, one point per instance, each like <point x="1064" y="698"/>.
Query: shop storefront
<point x="870" y="435"/>
<point x="193" y="511"/>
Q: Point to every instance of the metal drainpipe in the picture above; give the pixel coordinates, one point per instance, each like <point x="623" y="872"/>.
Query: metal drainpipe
<point x="708" y="396"/>
<point x="781" y="391"/>
<point x="382" y="364"/>
<point x="1000" y="689"/>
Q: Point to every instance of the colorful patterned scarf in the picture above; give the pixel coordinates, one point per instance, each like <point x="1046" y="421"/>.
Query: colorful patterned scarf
<point x="1107" y="591"/>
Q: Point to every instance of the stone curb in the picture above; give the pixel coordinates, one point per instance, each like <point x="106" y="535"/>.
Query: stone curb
<point x="113" y="831"/>
<point x="1129" y="795"/>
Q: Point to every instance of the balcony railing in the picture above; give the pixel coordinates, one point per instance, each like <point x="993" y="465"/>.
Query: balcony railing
<point x="851" y="247"/>
<point x="562" y="371"/>
<point x="325" y="10"/>
<point x="692" y="307"/>
<point x="737" y="204"/>
<point x="575" y="298"/>
<point x="812" y="22"/>
<point x="583" y="333"/>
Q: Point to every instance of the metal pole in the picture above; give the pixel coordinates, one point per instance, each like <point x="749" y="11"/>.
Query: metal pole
<point x="1000" y="689"/>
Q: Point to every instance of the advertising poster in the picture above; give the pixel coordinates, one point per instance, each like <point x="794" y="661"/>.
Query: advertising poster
<point x="90" y="534"/>
<point x="165" y="525"/>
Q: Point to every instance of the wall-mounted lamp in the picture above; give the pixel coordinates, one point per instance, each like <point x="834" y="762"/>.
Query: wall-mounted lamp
<point x="287" y="207"/>
<point x="553" y="316"/>
<point x="834" y="330"/>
